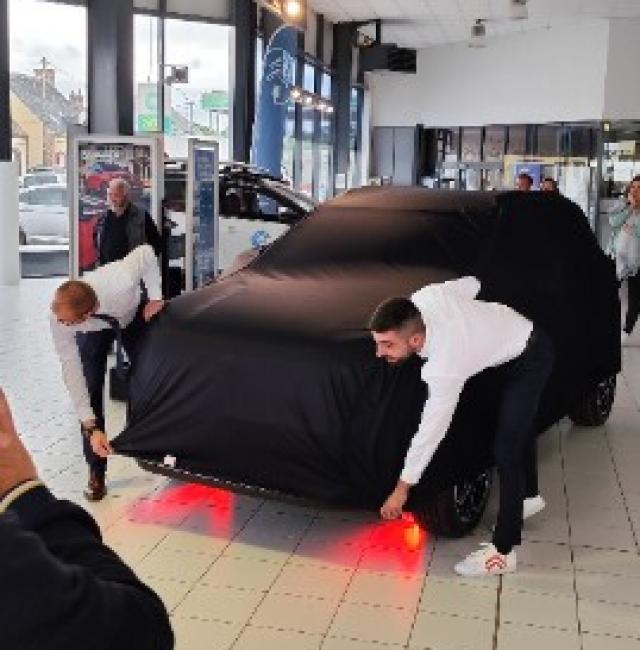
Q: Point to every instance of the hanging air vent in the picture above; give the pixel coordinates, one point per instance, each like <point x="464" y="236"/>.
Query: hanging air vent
<point x="478" y="34"/>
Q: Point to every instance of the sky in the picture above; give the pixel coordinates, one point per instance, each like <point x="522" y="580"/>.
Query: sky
<point x="59" y="33"/>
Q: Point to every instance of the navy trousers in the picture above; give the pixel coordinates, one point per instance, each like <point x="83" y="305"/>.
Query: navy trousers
<point x="515" y="441"/>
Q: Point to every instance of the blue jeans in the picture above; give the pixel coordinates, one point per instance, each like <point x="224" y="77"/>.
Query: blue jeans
<point x="515" y="441"/>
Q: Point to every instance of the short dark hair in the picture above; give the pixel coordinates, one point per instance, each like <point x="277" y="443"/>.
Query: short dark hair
<point x="395" y="314"/>
<point x="528" y="177"/>
<point x="553" y="181"/>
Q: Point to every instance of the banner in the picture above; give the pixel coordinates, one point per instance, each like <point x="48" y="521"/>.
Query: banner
<point x="278" y="77"/>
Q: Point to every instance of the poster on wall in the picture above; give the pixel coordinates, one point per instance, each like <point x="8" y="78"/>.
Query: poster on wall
<point x="97" y="161"/>
<point x="202" y="213"/>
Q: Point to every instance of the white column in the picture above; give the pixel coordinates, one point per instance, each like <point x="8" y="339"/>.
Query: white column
<point x="9" y="224"/>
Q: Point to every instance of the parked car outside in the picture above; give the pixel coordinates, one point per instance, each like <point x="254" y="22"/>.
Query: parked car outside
<point x="44" y="215"/>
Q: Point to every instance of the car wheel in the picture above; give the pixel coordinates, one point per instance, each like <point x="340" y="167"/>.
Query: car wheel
<point x="594" y="408"/>
<point x="457" y="511"/>
<point x="22" y="237"/>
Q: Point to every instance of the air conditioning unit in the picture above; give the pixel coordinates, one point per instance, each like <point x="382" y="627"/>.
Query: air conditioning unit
<point x="388" y="56"/>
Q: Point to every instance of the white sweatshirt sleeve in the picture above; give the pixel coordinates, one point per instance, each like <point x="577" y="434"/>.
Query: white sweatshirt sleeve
<point x="143" y="265"/>
<point x="444" y="394"/>
<point x="67" y="349"/>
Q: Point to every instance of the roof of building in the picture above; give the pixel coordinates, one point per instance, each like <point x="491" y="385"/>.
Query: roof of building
<point x="54" y="109"/>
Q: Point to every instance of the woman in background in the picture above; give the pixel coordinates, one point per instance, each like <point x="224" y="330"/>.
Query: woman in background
<point x="624" y="247"/>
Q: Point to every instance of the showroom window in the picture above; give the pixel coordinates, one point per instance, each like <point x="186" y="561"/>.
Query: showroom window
<point x="355" y="136"/>
<point x="308" y="115"/>
<point x="48" y="96"/>
<point x="145" y="71"/>
<point x="196" y="81"/>
<point x="325" y="143"/>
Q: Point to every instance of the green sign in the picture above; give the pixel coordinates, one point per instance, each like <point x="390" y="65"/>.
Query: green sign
<point x="147" y="123"/>
<point x="215" y="100"/>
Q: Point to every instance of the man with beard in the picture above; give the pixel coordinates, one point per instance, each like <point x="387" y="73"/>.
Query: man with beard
<point x="459" y="336"/>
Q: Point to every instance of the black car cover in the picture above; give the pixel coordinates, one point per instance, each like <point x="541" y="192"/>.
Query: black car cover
<point x="269" y="378"/>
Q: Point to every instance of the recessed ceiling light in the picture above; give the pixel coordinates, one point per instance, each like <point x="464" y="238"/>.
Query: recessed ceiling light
<point x="518" y="9"/>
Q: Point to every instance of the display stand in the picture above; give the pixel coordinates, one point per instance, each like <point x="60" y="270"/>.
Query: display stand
<point x="95" y="161"/>
<point x="202" y="213"/>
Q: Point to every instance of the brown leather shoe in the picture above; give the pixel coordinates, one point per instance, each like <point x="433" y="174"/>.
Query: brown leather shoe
<point x="96" y="489"/>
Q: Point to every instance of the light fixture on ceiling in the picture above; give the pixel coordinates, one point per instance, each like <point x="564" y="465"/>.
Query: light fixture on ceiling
<point x="292" y="12"/>
<point x="295" y="93"/>
<point x="478" y="36"/>
<point x="518" y="9"/>
<point x="292" y="8"/>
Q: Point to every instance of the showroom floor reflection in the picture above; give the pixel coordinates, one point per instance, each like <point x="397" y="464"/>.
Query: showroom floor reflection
<point x="241" y="572"/>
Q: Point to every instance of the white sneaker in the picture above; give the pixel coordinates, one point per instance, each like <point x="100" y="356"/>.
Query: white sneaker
<point x="532" y="506"/>
<point x="486" y="562"/>
<point x="624" y="339"/>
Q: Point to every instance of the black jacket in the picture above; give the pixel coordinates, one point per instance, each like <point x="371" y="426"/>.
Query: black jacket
<point x="61" y="588"/>
<point x="139" y="229"/>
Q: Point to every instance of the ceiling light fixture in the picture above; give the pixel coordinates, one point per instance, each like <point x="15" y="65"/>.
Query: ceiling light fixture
<point x="292" y="8"/>
<point x="291" y="12"/>
<point x="518" y="10"/>
<point x="478" y="36"/>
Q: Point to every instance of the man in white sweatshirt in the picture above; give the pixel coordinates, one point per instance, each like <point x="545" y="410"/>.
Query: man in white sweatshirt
<point x="86" y="317"/>
<point x="458" y="336"/>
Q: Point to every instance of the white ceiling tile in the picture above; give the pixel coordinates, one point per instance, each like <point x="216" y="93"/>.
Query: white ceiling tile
<point x="423" y="23"/>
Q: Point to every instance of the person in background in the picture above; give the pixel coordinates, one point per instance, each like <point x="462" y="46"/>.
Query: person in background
<point x="60" y="586"/>
<point x="524" y="182"/>
<point x="86" y="317"/>
<point x="625" y="227"/>
<point x="549" y="185"/>
<point x="459" y="336"/>
<point x="125" y="226"/>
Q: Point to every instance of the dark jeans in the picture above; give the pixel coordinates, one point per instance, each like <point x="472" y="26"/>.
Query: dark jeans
<point x="94" y="349"/>
<point x="515" y="442"/>
<point x="633" y="305"/>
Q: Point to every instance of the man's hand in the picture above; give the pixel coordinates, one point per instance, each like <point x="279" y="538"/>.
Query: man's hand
<point x="152" y="308"/>
<point x="392" y="507"/>
<point x="16" y="465"/>
<point x="100" y="444"/>
<point x="628" y="227"/>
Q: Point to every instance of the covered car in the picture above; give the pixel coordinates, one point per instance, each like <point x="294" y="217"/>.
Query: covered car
<point x="268" y="379"/>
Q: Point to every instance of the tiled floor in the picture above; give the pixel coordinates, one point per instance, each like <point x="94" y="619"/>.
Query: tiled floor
<point x="239" y="572"/>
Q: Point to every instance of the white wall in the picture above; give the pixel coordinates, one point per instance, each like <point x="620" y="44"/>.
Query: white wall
<point x="547" y="75"/>
<point x="622" y="86"/>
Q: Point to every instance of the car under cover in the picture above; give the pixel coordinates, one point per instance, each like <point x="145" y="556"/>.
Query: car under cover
<point x="268" y="378"/>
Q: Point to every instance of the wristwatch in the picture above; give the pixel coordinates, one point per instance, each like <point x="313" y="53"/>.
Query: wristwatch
<point x="88" y="431"/>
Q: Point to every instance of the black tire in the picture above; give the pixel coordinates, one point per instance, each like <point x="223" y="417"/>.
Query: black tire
<point x="457" y="511"/>
<point x="594" y="408"/>
<point x="22" y="237"/>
